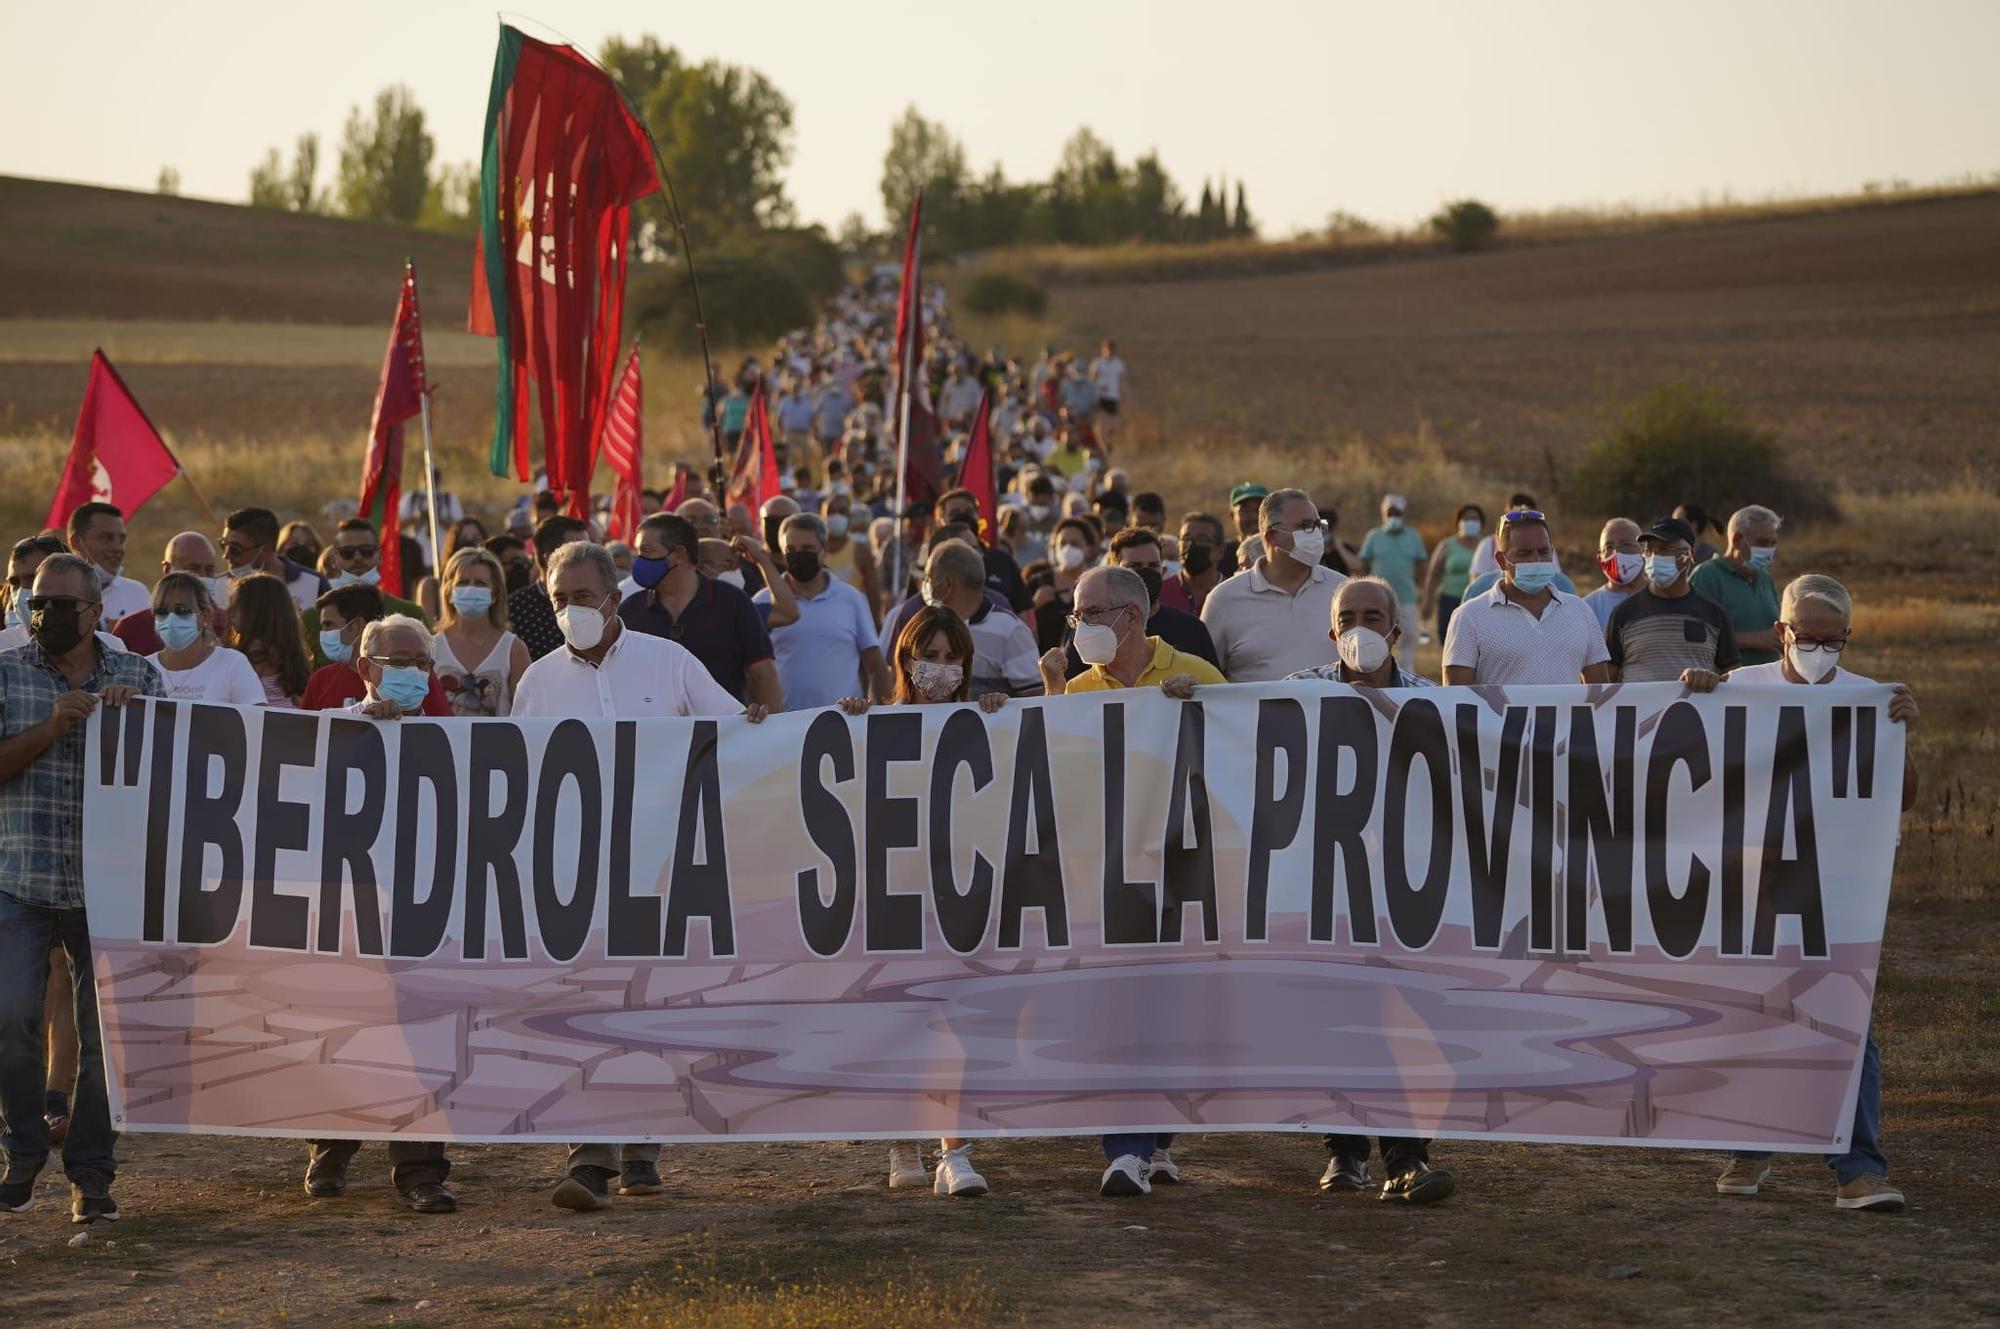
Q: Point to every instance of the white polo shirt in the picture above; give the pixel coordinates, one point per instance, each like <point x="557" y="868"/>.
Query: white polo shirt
<point x="639" y="676"/>
<point x="1263" y="632"/>
<point x="124" y="596"/>
<point x="1504" y="643"/>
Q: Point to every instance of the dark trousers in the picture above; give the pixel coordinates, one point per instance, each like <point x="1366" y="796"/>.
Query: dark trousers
<point x="1447" y="606"/>
<point x="1864" y="1142"/>
<point x="1398" y="1151"/>
<point x="1117" y="1146"/>
<point x="411" y="1162"/>
<point x="28" y="934"/>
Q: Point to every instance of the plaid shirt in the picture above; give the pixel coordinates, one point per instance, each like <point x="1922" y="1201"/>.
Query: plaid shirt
<point x="1337" y="673"/>
<point x="41" y="809"/>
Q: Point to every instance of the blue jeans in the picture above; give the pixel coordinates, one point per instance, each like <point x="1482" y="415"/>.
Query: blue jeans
<point x="28" y="933"/>
<point x="1141" y="1146"/>
<point x="1864" y="1152"/>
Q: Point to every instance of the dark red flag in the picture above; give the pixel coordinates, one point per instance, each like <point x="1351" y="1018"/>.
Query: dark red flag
<point x="756" y="480"/>
<point x="623" y="447"/>
<point x="975" y="469"/>
<point x="115" y="456"/>
<point x="917" y="447"/>
<point x="682" y="490"/>
<point x="564" y="162"/>
<point x="398" y="398"/>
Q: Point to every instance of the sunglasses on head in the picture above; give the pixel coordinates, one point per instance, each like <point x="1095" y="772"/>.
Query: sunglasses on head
<point x="1523" y="514"/>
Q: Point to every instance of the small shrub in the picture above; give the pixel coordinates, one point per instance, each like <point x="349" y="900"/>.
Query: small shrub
<point x="1684" y="443"/>
<point x="1467" y="225"/>
<point x="993" y="293"/>
<point x="747" y="301"/>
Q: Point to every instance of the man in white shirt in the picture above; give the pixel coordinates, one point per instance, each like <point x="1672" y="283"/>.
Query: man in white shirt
<point x="603" y="670"/>
<point x="1107" y="373"/>
<point x="1524" y="630"/>
<point x="1271" y="621"/>
<point x="97" y="533"/>
<point x="960" y="397"/>
<point x="1624" y="566"/>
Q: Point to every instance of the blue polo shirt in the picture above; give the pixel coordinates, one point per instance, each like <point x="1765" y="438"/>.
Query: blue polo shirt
<point x="719" y="627"/>
<point x="819" y="657"/>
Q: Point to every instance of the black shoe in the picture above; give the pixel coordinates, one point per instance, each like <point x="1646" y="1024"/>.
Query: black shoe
<point x="429" y="1197"/>
<point x="640" y="1178"/>
<point x="90" y="1199"/>
<point x="1419" y="1183"/>
<point x="1344" y="1174"/>
<point x="326" y="1181"/>
<point x="584" y="1189"/>
<point x="17" y="1191"/>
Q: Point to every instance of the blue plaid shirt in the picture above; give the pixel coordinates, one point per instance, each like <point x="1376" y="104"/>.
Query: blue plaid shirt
<point x="41" y="809"/>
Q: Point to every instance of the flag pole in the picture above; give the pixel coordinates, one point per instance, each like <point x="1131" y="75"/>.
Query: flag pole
<point x="902" y="469"/>
<point x="200" y="497"/>
<point x="430" y="463"/>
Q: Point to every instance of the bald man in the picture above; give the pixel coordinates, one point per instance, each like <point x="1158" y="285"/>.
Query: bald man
<point x="1623" y="565"/>
<point x="190" y="552"/>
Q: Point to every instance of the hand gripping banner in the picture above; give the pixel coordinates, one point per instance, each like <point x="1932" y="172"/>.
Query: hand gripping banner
<point x="1617" y="915"/>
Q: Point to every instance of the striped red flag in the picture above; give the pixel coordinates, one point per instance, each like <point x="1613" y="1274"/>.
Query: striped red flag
<point x="623" y="447"/>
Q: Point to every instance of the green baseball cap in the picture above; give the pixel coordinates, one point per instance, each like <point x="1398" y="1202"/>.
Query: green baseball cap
<point x="1243" y="493"/>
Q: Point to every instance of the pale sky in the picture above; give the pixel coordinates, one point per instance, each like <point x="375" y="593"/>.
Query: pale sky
<point x="1384" y="110"/>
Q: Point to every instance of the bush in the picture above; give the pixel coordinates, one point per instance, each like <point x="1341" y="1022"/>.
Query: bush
<point x="1004" y="293"/>
<point x="1467" y="225"/>
<point x="747" y="301"/>
<point x="1684" y="443"/>
<point x="812" y="260"/>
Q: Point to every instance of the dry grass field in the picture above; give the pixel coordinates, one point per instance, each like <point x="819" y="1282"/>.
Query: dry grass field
<point x="1870" y="339"/>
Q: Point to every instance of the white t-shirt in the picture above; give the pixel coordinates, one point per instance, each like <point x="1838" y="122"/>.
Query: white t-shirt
<point x="1108" y="373"/>
<point x="225" y="676"/>
<point x="124" y="596"/>
<point x="640" y="676"/>
<point x="18" y="636"/>
<point x="1774" y="672"/>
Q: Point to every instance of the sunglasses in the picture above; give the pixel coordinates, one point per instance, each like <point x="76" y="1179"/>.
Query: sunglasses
<point x="356" y="551"/>
<point x="1522" y="514"/>
<point x="37" y="603"/>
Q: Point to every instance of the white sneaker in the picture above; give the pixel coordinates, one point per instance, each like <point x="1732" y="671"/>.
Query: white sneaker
<point x="906" y="1167"/>
<point x="956" y="1175"/>
<point x="1125" y="1176"/>
<point x="1160" y="1167"/>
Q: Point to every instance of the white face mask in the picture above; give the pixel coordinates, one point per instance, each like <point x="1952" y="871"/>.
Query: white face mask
<point x="1394" y="521"/>
<point x="734" y="577"/>
<point x="1038" y="511"/>
<point x="1362" y="650"/>
<point x="935" y="680"/>
<point x="1812" y="664"/>
<point x="1307" y="546"/>
<point x="1096" y="643"/>
<point x="1662" y="569"/>
<point x="582" y="626"/>
<point x="1070" y="556"/>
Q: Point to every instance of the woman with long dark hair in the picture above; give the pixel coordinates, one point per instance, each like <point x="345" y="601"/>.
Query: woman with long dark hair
<point x="264" y="625"/>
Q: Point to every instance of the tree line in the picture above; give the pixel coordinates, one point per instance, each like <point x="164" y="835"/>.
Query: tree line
<point x="725" y="134"/>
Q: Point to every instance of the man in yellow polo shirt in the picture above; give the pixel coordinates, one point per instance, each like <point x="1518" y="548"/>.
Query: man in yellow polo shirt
<point x="1109" y="622"/>
<point x="1109" y="626"/>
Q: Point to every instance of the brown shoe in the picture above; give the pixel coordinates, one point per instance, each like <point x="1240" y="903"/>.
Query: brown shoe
<point x="1743" y="1176"/>
<point x="1868" y="1191"/>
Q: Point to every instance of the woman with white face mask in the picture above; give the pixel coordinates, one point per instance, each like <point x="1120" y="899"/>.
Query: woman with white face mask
<point x="932" y="665"/>
<point x="1814" y="629"/>
<point x="1451" y="566"/>
<point x="475" y="657"/>
<point x="1073" y="551"/>
<point x="848" y="557"/>
<point x="193" y="665"/>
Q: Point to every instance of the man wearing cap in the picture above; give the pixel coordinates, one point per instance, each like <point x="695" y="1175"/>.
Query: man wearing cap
<point x="1245" y="501"/>
<point x="1667" y="633"/>
<point x="1394" y="552"/>
<point x="1624" y="565"/>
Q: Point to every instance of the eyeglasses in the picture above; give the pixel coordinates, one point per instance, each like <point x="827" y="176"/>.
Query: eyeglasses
<point x="401" y="661"/>
<point x="37" y="603"/>
<point x="235" y="549"/>
<point x="1834" y="644"/>
<point x="1522" y="514"/>
<point x="1095" y="617"/>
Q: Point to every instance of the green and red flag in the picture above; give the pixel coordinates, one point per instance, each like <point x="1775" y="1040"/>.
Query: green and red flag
<point x="399" y="398"/>
<point x="564" y="162"/>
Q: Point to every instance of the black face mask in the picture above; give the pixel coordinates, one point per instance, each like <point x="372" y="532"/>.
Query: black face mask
<point x="517" y="577"/>
<point x="57" y="629"/>
<point x="803" y="564"/>
<point x="304" y="557"/>
<point x="1152" y="578"/>
<point x="967" y="517"/>
<point x="1197" y="559"/>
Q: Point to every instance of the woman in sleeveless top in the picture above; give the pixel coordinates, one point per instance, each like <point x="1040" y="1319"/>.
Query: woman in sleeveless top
<point x="476" y="660"/>
<point x="1451" y="566"/>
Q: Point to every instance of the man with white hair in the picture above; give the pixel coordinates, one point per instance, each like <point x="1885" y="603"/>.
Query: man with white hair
<point x="1271" y="621"/>
<point x="1814" y="628"/>
<point x="604" y="669"/>
<point x="1624" y="567"/>
<point x="394" y="661"/>
<point x="1739" y="580"/>
<point x="1394" y="551"/>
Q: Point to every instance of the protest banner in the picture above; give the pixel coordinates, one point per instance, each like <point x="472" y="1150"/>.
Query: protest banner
<point x="1578" y="914"/>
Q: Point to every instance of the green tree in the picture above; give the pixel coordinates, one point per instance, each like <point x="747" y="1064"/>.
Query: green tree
<point x="385" y="160"/>
<point x="725" y="132"/>
<point x="1242" y="227"/>
<point x="1467" y="225"/>
<point x="170" y="180"/>
<point x="293" y="189"/>
<point x="922" y="155"/>
<point x="453" y="201"/>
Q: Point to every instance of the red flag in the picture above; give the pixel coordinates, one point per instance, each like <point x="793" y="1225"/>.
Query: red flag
<point x="564" y="161"/>
<point x="398" y="397"/>
<point x="115" y="456"/>
<point x="916" y="449"/>
<point x="756" y="481"/>
<point x="682" y="491"/>
<point x="975" y="469"/>
<point x="622" y="446"/>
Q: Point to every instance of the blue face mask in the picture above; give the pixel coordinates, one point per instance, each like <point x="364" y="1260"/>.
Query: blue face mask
<point x="17" y="612"/>
<point x="650" y="572"/>
<point x="1532" y="577"/>
<point x="471" y="601"/>
<point x="333" y="648"/>
<point x="1761" y="556"/>
<point x="179" y="631"/>
<point x="405" y="685"/>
